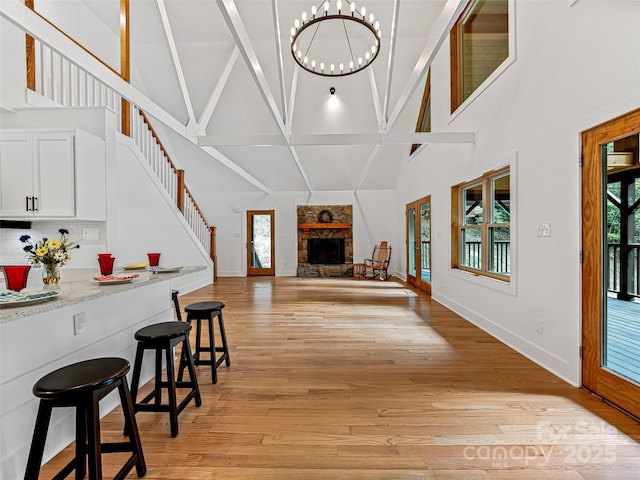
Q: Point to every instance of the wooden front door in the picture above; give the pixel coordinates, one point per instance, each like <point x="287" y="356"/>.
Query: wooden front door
<point x="611" y="257"/>
<point x="260" y="242"/>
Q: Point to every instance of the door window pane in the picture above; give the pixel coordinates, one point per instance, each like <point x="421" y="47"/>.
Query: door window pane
<point x="411" y="228"/>
<point x="261" y="257"/>
<point x="425" y="241"/>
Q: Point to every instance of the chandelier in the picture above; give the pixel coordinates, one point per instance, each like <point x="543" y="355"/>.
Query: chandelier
<point x="349" y="40"/>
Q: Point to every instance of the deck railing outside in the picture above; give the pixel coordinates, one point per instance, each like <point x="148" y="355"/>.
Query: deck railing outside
<point x="67" y="84"/>
<point x="501" y="255"/>
<point x="615" y="272"/>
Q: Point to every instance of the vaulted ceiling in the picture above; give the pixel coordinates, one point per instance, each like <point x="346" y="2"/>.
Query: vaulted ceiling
<point x="224" y="69"/>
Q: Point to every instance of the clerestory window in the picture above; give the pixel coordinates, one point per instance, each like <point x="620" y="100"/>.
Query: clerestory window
<point x="479" y="45"/>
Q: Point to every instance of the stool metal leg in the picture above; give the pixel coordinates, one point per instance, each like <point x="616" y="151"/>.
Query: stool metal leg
<point x="212" y="348"/>
<point x="171" y="393"/>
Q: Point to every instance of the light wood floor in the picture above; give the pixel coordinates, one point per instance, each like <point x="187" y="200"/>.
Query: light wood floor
<point x="346" y="379"/>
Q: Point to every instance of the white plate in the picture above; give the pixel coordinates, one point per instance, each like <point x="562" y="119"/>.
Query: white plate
<point x="16" y="299"/>
<point x="135" y="266"/>
<point x="164" y="269"/>
<point x="115" y="279"/>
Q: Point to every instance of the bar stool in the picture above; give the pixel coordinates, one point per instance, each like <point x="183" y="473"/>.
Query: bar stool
<point x="82" y="385"/>
<point x="207" y="311"/>
<point x="164" y="337"/>
<point x="176" y="303"/>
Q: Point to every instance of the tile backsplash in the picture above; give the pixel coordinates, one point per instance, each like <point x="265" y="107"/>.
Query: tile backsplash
<point x="11" y="252"/>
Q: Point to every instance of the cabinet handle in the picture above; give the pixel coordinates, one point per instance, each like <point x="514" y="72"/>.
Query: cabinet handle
<point x="27" y="204"/>
<point x="35" y="204"/>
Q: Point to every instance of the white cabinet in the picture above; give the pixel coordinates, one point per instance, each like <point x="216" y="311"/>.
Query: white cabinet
<point x="41" y="174"/>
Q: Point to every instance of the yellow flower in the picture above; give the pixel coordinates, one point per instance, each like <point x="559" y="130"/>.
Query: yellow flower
<point x="42" y="251"/>
<point x="54" y="244"/>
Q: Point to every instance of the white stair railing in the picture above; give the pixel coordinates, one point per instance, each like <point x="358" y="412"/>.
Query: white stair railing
<point x="65" y="83"/>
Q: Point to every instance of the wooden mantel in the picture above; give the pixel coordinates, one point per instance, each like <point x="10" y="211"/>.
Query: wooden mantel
<point x="305" y="227"/>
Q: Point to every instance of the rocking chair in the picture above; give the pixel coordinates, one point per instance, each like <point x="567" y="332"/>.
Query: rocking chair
<point x="378" y="264"/>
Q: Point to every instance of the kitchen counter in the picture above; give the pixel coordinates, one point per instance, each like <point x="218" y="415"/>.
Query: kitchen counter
<point x="77" y="286"/>
<point x="86" y="320"/>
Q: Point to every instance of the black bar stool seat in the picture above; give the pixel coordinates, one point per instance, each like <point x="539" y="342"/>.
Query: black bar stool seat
<point x="207" y="311"/>
<point x="82" y="385"/>
<point x="162" y="338"/>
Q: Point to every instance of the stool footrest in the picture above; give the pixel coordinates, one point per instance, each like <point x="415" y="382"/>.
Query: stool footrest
<point x="145" y="406"/>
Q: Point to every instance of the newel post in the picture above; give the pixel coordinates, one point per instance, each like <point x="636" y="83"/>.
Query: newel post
<point x="180" y="190"/>
<point x="212" y="253"/>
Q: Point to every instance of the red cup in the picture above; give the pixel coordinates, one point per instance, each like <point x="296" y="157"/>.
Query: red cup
<point x="104" y="255"/>
<point x="154" y="259"/>
<point x="16" y="276"/>
<point x="106" y="265"/>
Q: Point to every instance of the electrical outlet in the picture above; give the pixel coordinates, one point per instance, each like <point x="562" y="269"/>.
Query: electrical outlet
<point x="90" y="234"/>
<point x="79" y="323"/>
<point x="539" y="326"/>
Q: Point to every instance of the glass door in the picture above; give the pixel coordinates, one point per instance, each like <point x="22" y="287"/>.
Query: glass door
<point x="418" y="216"/>
<point x="611" y="253"/>
<point x="260" y="242"/>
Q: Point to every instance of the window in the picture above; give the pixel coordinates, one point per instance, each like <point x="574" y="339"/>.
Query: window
<point x="481" y="218"/>
<point x="479" y="45"/>
<point x="424" y="117"/>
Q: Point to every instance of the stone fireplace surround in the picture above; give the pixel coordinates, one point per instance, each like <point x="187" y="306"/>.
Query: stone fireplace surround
<point x="311" y="224"/>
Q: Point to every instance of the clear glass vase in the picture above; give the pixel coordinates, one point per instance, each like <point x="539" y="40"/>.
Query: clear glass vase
<point x="51" y="274"/>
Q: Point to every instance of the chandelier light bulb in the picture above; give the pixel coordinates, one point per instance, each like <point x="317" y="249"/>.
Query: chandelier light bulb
<point x="367" y="56"/>
<point x="373" y="49"/>
<point x="299" y="53"/>
<point x="304" y="60"/>
<point x="331" y="67"/>
<point x="359" y="61"/>
<point x="376" y="25"/>
<point x="339" y="5"/>
<point x="363" y="11"/>
<point x="313" y="64"/>
<point x="314" y="10"/>
<point x="371" y="18"/>
<point x="304" y="17"/>
<point x="293" y="32"/>
<point x="351" y="65"/>
<point x="296" y="23"/>
<point x="353" y="7"/>
<point x="326" y="6"/>
<point x="341" y="67"/>
<point x="322" y="66"/>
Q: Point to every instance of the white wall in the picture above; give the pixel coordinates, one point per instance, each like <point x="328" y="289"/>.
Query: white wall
<point x="373" y="221"/>
<point x="12" y="65"/>
<point x="570" y="73"/>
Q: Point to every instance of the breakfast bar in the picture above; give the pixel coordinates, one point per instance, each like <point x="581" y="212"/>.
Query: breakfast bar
<point x="85" y="320"/>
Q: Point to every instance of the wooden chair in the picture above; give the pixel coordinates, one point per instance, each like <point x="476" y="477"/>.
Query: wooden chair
<point x="377" y="266"/>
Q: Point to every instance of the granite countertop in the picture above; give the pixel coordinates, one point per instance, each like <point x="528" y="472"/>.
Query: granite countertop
<point x="78" y="287"/>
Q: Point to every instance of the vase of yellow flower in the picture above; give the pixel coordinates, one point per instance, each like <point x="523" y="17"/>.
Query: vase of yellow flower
<point x="50" y="254"/>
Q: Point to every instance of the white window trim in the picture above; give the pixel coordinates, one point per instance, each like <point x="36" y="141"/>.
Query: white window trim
<point x="498" y="71"/>
<point x="510" y="287"/>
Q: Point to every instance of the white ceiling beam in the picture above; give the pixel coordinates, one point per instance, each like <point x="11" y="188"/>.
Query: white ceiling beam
<point x="292" y="100"/>
<point x="176" y="60"/>
<point x="223" y="159"/>
<point x="392" y="57"/>
<point x="296" y="159"/>
<point x="338" y="139"/>
<point x="231" y="15"/>
<point x="24" y="18"/>
<point x="212" y="102"/>
<point x="367" y="166"/>
<point x="437" y="35"/>
<point x="376" y="102"/>
<point x="276" y="29"/>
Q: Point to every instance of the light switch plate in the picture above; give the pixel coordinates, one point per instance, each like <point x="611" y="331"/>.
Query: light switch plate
<point x="79" y="323"/>
<point x="544" y="229"/>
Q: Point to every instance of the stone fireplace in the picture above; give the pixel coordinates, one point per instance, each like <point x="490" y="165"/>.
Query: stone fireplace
<point x="325" y="241"/>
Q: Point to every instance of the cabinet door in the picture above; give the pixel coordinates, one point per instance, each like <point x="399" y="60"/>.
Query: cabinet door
<point x="16" y="175"/>
<point x="54" y="165"/>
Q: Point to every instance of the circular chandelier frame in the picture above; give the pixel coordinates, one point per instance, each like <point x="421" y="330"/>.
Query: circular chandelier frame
<point x="333" y="70"/>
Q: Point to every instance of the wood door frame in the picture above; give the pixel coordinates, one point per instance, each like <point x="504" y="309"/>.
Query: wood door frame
<point x="603" y="382"/>
<point x="261" y="271"/>
<point x="417" y="280"/>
